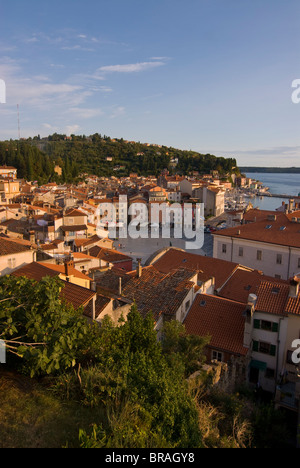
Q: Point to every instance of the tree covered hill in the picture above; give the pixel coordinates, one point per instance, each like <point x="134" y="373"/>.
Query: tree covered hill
<point x="35" y="158"/>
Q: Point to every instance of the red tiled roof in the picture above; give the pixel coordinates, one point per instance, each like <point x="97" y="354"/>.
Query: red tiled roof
<point x="74" y="213"/>
<point x="268" y="231"/>
<point x="272" y="297"/>
<point x="76" y="228"/>
<point x="220" y="319"/>
<point x="101" y="303"/>
<point x="154" y="291"/>
<point x="11" y="246"/>
<point x="34" y="271"/>
<point x="108" y="255"/>
<point x="72" y="293"/>
<point x="60" y="269"/>
<point x="243" y="282"/>
<point x="221" y="270"/>
<point x="91" y="240"/>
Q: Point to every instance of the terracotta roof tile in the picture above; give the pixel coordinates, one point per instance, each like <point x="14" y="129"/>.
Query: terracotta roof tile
<point x="268" y="231"/>
<point x="154" y="291"/>
<point x="101" y="303"/>
<point x="75" y="228"/>
<point x="73" y="294"/>
<point x="272" y="297"/>
<point x="108" y="255"/>
<point x="243" y="282"/>
<point x="60" y="269"/>
<point x="209" y="267"/>
<point x="10" y="246"/>
<point x="221" y="319"/>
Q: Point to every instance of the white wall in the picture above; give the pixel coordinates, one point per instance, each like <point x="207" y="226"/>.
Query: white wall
<point x="273" y="362"/>
<point x="9" y="263"/>
<point x="268" y="263"/>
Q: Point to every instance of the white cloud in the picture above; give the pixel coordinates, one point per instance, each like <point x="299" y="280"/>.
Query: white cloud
<point x="50" y="128"/>
<point x="32" y="40"/>
<point x="72" y="129"/>
<point x="85" y="113"/>
<point x="78" y="47"/>
<point x="160" y="58"/>
<point x="118" y="112"/>
<point x="130" y="68"/>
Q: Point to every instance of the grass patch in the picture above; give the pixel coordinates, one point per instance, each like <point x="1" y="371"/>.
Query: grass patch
<point x="33" y="417"/>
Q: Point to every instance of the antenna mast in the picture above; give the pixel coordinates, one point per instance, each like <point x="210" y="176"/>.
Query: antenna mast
<point x="19" y="131"/>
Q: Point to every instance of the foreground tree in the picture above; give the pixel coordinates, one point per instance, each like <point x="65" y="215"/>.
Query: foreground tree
<point x="41" y="332"/>
<point x="146" y="394"/>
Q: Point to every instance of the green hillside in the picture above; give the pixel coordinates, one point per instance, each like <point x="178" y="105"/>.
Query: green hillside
<point x="35" y="158"/>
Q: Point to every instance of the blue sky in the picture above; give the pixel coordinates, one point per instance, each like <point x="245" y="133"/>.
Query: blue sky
<point x="213" y="76"/>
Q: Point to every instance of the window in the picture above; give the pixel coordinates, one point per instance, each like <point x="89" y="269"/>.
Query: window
<point x="266" y="325"/>
<point x="187" y="306"/>
<point x="257" y="324"/>
<point x="264" y="348"/>
<point x="12" y="263"/>
<point x="298" y="262"/>
<point x="241" y="252"/>
<point x="259" y="255"/>
<point x="279" y="259"/>
<point x="224" y="248"/>
<point x="217" y="356"/>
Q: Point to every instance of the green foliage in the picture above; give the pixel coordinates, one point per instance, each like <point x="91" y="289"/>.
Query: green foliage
<point x="46" y="334"/>
<point x="133" y="370"/>
<point x="129" y="426"/>
<point x="186" y="349"/>
<point x="133" y="388"/>
<point x="35" y="158"/>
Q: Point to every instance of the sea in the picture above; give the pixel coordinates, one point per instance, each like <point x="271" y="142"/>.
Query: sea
<point x="283" y="184"/>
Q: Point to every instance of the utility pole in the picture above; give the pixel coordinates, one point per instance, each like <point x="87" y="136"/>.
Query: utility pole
<point x="19" y="132"/>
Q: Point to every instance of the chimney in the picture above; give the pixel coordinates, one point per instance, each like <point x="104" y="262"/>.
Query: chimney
<point x="291" y="206"/>
<point x="120" y="286"/>
<point x="139" y="268"/>
<point x="32" y="237"/>
<point x="94" y="286"/>
<point x="69" y="263"/>
<point x="294" y="287"/>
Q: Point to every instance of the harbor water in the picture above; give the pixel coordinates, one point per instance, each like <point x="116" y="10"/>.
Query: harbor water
<point x="284" y="184"/>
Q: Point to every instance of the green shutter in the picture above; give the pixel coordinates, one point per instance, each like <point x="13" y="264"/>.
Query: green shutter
<point x="273" y="350"/>
<point x="275" y="327"/>
<point x="257" y="324"/>
<point x="255" y="346"/>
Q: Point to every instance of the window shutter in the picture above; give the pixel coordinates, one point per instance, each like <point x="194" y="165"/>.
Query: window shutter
<point x="273" y="350"/>
<point x="257" y="324"/>
<point x="275" y="327"/>
<point x="255" y="345"/>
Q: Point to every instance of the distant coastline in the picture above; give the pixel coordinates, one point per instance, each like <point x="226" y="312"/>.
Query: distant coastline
<point x="270" y="170"/>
